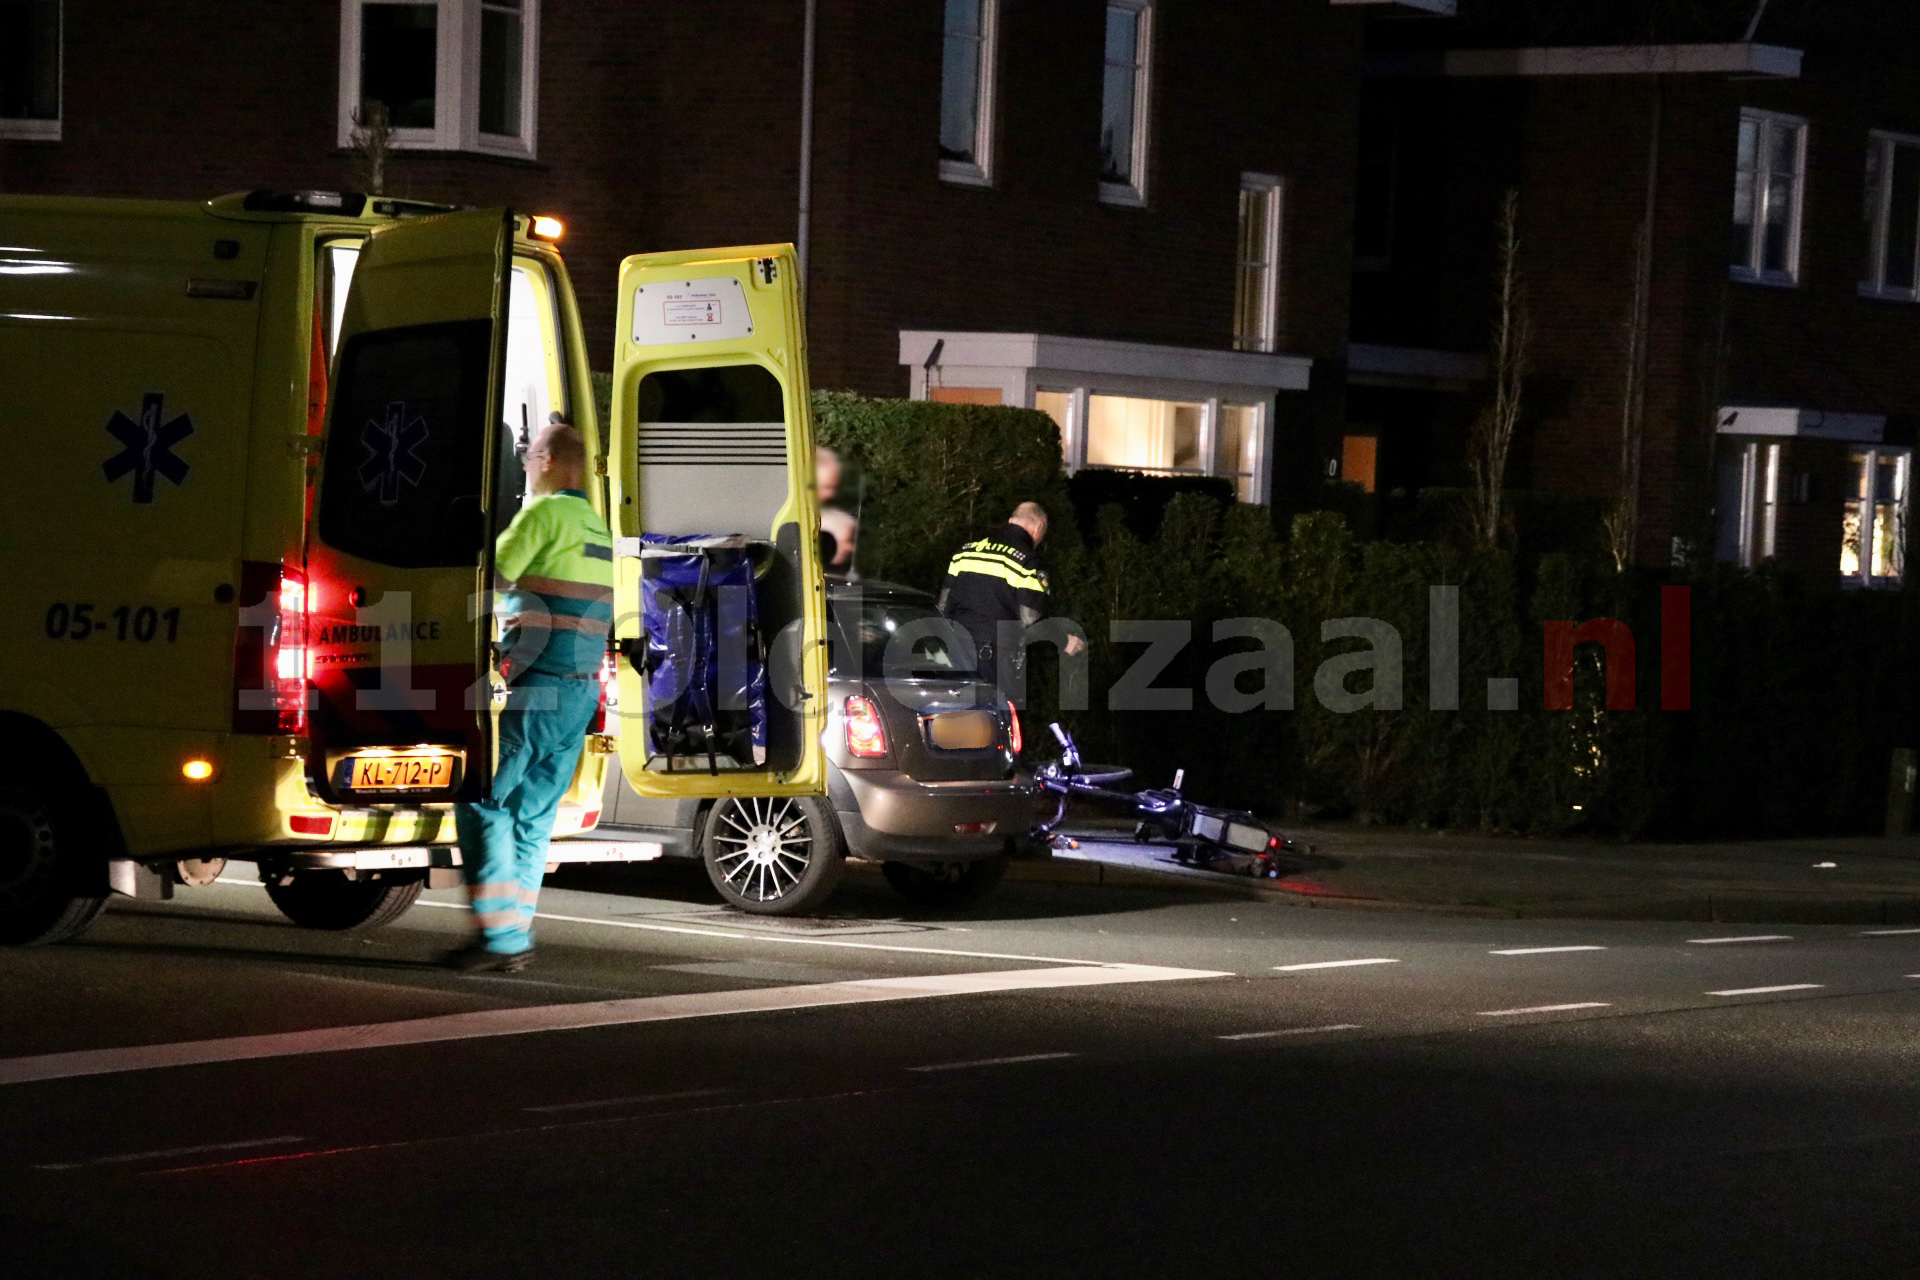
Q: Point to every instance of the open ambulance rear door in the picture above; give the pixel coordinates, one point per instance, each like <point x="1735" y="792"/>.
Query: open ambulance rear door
<point x="399" y="557"/>
<point x="720" y="606"/>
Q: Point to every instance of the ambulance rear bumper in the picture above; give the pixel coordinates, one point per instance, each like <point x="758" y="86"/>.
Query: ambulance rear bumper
<point x="403" y="857"/>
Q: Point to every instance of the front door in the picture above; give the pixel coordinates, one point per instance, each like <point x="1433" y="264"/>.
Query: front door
<point x="400" y="551"/>
<point x="723" y="680"/>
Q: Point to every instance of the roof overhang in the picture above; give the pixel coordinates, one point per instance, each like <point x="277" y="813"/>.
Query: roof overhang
<point x="1127" y="366"/>
<point x="1738" y="59"/>
<point x="1373" y="365"/>
<point x="1446" y="7"/>
<point x="1813" y="424"/>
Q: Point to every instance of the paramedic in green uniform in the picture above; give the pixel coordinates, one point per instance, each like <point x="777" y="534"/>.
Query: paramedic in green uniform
<point x="555" y="570"/>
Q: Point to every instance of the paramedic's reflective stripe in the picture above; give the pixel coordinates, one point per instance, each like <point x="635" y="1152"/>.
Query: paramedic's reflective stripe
<point x="588" y="591"/>
<point x="587" y="626"/>
<point x="993" y="565"/>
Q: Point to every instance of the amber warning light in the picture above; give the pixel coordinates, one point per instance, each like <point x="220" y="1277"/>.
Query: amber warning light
<point x="545" y="228"/>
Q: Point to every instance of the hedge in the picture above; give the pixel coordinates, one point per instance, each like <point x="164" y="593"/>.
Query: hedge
<point x="1797" y="694"/>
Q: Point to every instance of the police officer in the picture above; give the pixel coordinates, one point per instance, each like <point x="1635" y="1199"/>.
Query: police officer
<point x="556" y="564"/>
<point x="994" y="580"/>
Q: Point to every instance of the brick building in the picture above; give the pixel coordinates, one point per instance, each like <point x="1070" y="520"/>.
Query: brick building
<point x="1134" y="214"/>
<point x="1781" y="390"/>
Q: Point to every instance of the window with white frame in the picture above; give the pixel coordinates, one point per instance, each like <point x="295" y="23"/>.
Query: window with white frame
<point x="1873" y="529"/>
<point x="1893" y="216"/>
<point x="452" y="75"/>
<point x="966" y="91"/>
<point x="30" y="53"/>
<point x="1769" y="183"/>
<point x="1749" y="503"/>
<point x="1256" y="291"/>
<point x="1124" y="94"/>
<point x="1161" y="437"/>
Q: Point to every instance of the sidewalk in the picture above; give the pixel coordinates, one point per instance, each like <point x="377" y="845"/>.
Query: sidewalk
<point x="1870" y="880"/>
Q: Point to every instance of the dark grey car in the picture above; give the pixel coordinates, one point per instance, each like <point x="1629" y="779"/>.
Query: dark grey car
<point x="922" y="774"/>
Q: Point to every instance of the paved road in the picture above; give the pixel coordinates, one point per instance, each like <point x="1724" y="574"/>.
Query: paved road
<point x="1069" y="1081"/>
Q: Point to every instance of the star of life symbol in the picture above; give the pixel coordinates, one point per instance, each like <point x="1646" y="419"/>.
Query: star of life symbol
<point x="393" y="456"/>
<point x="148" y="450"/>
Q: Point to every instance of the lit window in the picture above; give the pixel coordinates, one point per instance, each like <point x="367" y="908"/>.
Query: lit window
<point x="452" y="75"/>
<point x="30" y="70"/>
<point x="1144" y="435"/>
<point x="1873" y="529"/>
<point x="1123" y="102"/>
<point x="1893" y="216"/>
<point x="1162" y="437"/>
<point x="1768" y="181"/>
<point x="966" y="91"/>
<point x="1257" y="278"/>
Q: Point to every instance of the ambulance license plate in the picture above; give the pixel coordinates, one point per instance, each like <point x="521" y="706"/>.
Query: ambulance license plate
<point x="402" y="773"/>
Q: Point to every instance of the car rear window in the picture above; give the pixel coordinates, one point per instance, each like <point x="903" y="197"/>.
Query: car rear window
<point x="923" y="642"/>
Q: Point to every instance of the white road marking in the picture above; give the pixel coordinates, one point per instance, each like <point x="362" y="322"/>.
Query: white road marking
<point x="992" y="1062"/>
<point x="1540" y="951"/>
<point x="1767" y="991"/>
<point x="1884" y="933"/>
<point x="1331" y="964"/>
<point x="1757" y="937"/>
<point x="1291" y="1031"/>
<point x="135" y="1156"/>
<point x="1544" y="1008"/>
<point x="620" y="1102"/>
<point x="568" y="1017"/>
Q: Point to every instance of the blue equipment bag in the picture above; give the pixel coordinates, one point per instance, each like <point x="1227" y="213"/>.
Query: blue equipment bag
<point x="705" y="661"/>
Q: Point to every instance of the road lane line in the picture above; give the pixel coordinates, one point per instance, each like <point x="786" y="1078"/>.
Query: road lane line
<point x="1331" y="964"/>
<point x="557" y="1107"/>
<point x="1757" y="937"/>
<point x="570" y="1017"/>
<point x="1544" y="1008"/>
<point x="1884" y="933"/>
<point x="992" y="1062"/>
<point x="205" y="1149"/>
<point x="1540" y="951"/>
<point x="1291" y="1031"/>
<point x="1767" y="991"/>
<point x="739" y="934"/>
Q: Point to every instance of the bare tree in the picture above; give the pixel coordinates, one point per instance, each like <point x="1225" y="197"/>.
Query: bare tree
<point x="1492" y="437"/>
<point x="372" y="139"/>
<point x="1622" y="523"/>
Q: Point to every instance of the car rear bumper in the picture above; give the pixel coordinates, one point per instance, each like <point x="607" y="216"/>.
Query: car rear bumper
<point x="884" y="814"/>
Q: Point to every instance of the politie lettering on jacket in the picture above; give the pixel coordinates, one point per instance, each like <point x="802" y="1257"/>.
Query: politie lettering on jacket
<point x="365" y="633"/>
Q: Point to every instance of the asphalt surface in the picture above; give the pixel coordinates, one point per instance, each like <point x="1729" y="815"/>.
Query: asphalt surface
<point x="1062" y="1081"/>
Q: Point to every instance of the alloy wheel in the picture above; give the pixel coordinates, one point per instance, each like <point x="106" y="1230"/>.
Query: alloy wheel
<point x="762" y="846"/>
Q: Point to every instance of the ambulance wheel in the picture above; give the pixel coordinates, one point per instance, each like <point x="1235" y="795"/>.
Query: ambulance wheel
<point x="328" y="900"/>
<point x="772" y="855"/>
<point x="945" y="885"/>
<point x="41" y="897"/>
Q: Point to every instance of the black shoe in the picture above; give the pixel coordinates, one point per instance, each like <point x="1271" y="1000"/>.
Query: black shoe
<point x="477" y="959"/>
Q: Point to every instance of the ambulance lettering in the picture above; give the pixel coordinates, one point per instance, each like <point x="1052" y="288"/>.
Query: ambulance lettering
<point x="393" y="452"/>
<point x="148" y="450"/>
<point x="373" y="633"/>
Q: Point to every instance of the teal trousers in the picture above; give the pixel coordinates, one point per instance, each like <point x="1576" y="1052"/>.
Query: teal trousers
<point x="503" y="840"/>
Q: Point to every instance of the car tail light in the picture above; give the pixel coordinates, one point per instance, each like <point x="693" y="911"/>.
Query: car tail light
<point x="609" y="681"/>
<point x="270" y="654"/>
<point x="866" y="736"/>
<point x="305" y="824"/>
<point x="1013" y="728"/>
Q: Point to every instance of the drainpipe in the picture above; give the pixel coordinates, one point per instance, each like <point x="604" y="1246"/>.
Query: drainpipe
<point x="802" y="239"/>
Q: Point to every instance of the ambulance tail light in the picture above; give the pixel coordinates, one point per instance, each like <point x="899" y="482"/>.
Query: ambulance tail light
<point x="270" y="654"/>
<point x="608" y="680"/>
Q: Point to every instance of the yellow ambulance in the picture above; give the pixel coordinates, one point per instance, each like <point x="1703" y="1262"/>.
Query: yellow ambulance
<point x="256" y="452"/>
